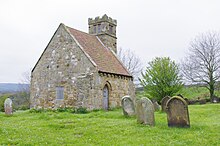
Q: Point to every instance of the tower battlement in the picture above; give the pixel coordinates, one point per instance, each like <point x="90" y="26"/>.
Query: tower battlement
<point x="105" y="28"/>
<point x="104" y="18"/>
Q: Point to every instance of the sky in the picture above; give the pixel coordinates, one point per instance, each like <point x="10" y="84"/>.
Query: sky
<point x="150" y="28"/>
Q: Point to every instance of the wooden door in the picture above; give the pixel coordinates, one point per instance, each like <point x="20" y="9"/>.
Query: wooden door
<point x="105" y="98"/>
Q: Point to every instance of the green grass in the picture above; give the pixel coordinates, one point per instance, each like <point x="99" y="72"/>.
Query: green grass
<point x="194" y="92"/>
<point x="108" y="128"/>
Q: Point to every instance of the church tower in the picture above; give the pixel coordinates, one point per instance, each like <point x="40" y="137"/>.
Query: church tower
<point x="105" y="29"/>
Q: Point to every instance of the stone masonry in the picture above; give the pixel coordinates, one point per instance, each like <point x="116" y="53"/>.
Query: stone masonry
<point x="65" y="64"/>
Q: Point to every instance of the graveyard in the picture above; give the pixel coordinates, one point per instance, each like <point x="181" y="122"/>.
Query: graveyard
<point x="108" y="128"/>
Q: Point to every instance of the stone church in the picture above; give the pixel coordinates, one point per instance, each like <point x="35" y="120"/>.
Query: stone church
<point x="79" y="69"/>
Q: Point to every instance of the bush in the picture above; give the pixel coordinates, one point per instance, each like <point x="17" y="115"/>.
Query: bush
<point x="2" y="100"/>
<point x="161" y="78"/>
<point x="66" y="109"/>
<point x="81" y="110"/>
<point x="40" y="110"/>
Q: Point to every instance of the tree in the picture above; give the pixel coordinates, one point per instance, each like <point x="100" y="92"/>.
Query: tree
<point x="22" y="98"/>
<point x="202" y="65"/>
<point x="131" y="62"/>
<point x="161" y="78"/>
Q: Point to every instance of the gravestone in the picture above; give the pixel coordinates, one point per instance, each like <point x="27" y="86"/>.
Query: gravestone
<point x="145" y="112"/>
<point x="187" y="100"/>
<point x="127" y="106"/>
<point x="215" y="99"/>
<point x="177" y="112"/>
<point x="202" y="101"/>
<point x="164" y="103"/>
<point x="156" y="106"/>
<point x="8" y="106"/>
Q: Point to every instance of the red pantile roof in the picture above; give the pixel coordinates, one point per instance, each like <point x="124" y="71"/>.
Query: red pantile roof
<point x="105" y="60"/>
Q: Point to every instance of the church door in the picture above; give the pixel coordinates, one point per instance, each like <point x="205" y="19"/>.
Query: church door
<point x="105" y="97"/>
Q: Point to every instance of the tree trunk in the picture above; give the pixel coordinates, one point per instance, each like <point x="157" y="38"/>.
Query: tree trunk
<point x="211" y="91"/>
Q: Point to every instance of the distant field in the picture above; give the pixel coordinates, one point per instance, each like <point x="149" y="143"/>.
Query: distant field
<point x="108" y="128"/>
<point x="195" y="92"/>
<point x="190" y="92"/>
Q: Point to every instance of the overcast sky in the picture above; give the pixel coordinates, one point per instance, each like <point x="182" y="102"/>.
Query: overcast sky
<point x="150" y="28"/>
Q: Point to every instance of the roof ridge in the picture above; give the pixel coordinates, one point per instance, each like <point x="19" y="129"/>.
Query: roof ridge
<point x="80" y="31"/>
<point x="102" y="56"/>
<point x="114" y="54"/>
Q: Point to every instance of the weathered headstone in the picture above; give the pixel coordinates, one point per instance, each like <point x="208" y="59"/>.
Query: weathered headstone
<point x="127" y="106"/>
<point x="164" y="103"/>
<point x="202" y="101"/>
<point x="145" y="112"/>
<point x="177" y="112"/>
<point x="215" y="99"/>
<point x="8" y="106"/>
<point x="156" y="106"/>
<point x="187" y="100"/>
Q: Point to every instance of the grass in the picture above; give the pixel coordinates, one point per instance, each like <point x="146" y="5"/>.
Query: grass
<point x="108" y="128"/>
<point x="194" y="92"/>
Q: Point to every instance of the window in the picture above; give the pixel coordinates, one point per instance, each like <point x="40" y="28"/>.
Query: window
<point x="59" y="92"/>
<point x="99" y="28"/>
<point x="94" y="29"/>
<point x="110" y="28"/>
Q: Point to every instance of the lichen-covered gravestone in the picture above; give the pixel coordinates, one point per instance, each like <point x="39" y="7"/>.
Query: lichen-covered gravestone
<point x="177" y="112"/>
<point x="8" y="106"/>
<point x="145" y="112"/>
<point x="164" y="102"/>
<point x="127" y="106"/>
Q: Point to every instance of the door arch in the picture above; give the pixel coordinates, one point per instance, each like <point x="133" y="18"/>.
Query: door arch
<point x="105" y="97"/>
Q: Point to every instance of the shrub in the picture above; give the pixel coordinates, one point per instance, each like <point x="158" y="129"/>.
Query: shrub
<point x="81" y="110"/>
<point x="2" y="100"/>
<point x="33" y="110"/>
<point x="161" y="78"/>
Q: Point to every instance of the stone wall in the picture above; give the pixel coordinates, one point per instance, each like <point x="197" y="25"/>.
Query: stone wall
<point x="119" y="86"/>
<point x="63" y="63"/>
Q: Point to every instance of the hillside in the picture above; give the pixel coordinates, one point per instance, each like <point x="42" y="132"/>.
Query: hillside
<point x="12" y="87"/>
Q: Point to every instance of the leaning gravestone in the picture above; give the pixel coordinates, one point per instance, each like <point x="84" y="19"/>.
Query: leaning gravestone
<point x="177" y="112"/>
<point x="164" y="102"/>
<point x="156" y="106"/>
<point x="145" y="112"/>
<point x="127" y="106"/>
<point x="8" y="106"/>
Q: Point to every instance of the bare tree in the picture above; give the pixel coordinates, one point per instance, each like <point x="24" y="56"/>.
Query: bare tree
<point x="131" y="62"/>
<point x="202" y="65"/>
<point x="22" y="98"/>
<point x="25" y="81"/>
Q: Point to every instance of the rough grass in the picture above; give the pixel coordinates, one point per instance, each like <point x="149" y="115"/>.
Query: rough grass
<point x="108" y="128"/>
<point x="195" y="92"/>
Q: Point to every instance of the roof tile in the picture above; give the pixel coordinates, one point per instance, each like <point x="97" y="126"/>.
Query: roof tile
<point x="104" y="58"/>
